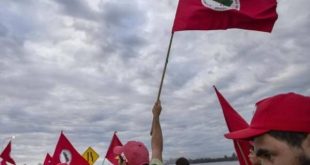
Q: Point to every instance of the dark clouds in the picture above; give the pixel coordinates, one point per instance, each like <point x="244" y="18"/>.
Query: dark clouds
<point x="92" y="67"/>
<point x="77" y="9"/>
<point x="3" y="30"/>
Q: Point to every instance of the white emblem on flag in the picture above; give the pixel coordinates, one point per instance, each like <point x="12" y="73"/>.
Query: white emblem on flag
<point x="221" y="5"/>
<point x="65" y="156"/>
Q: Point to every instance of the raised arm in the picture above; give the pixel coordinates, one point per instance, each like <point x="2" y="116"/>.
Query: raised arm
<point x="157" y="137"/>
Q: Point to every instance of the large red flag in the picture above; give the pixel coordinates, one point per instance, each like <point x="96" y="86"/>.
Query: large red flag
<point x="48" y="159"/>
<point x="65" y="153"/>
<point x="234" y="123"/>
<point x="5" y="155"/>
<point x="257" y="15"/>
<point x="110" y="154"/>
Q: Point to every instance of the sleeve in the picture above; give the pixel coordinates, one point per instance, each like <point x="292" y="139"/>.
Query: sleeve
<point x="156" y="162"/>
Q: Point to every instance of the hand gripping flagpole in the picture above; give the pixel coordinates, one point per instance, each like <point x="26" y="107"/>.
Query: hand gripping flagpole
<point x="163" y="74"/>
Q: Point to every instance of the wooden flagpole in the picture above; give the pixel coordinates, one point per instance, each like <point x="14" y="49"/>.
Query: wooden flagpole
<point x="163" y="74"/>
<point x="164" y="71"/>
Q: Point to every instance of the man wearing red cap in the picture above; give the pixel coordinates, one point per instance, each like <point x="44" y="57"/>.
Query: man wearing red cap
<point x="280" y="130"/>
<point x="136" y="153"/>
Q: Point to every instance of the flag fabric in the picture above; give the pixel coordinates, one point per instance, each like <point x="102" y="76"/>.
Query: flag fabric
<point x="110" y="154"/>
<point x="5" y="155"/>
<point x="259" y="15"/>
<point x="48" y="159"/>
<point x="65" y="153"/>
<point x="234" y="123"/>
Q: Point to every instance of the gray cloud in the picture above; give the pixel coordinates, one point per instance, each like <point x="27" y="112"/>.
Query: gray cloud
<point x="90" y="68"/>
<point x="3" y="30"/>
<point x="77" y="9"/>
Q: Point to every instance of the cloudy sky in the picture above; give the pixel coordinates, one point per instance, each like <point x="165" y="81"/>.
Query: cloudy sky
<point x="92" y="67"/>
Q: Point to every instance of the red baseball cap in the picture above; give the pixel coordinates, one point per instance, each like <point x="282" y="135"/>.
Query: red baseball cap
<point x="284" y="112"/>
<point x="135" y="153"/>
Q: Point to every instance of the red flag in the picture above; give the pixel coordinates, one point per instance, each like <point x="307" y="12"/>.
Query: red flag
<point x="257" y="15"/>
<point x="48" y="159"/>
<point x="110" y="154"/>
<point x="65" y="153"/>
<point x="234" y="123"/>
<point x="5" y="155"/>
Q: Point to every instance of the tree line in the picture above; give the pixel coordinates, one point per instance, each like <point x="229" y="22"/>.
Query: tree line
<point x="233" y="157"/>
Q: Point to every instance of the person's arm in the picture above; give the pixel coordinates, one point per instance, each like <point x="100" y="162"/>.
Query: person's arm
<point x="157" y="137"/>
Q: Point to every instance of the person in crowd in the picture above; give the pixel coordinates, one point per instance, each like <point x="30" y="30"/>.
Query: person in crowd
<point x="136" y="153"/>
<point x="157" y="136"/>
<point x="280" y="130"/>
<point x="182" y="161"/>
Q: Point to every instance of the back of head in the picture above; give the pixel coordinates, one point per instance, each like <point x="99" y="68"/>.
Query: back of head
<point x="182" y="161"/>
<point x="134" y="152"/>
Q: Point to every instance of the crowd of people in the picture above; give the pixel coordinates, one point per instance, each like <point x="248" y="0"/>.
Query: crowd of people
<point x="279" y="132"/>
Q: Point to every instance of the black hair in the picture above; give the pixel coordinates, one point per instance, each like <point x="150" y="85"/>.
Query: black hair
<point x="182" y="161"/>
<point x="294" y="139"/>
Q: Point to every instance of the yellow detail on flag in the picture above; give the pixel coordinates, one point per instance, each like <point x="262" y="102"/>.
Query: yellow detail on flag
<point x="90" y="155"/>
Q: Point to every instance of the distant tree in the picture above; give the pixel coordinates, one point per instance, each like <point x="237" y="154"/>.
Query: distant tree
<point x="234" y="156"/>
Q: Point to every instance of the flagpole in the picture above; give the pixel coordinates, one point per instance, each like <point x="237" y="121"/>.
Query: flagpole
<point x="166" y="63"/>
<point x="103" y="161"/>
<point x="164" y="72"/>
<point x="242" y="154"/>
<point x="7" y="139"/>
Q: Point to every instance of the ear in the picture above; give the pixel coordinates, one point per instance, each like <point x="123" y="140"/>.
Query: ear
<point x="306" y="145"/>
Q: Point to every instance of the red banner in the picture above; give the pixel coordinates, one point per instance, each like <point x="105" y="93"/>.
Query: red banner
<point x="257" y="15"/>
<point x="110" y="154"/>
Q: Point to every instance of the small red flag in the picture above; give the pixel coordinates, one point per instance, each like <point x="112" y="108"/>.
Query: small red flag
<point x="48" y="159"/>
<point x="234" y="123"/>
<point x="110" y="154"/>
<point x="257" y="15"/>
<point x="5" y="155"/>
<point x="65" y="153"/>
